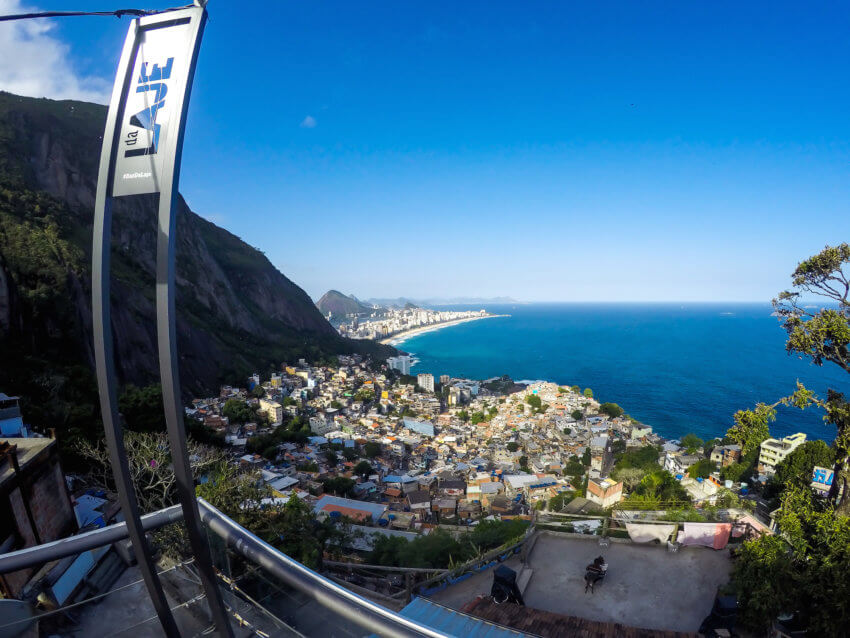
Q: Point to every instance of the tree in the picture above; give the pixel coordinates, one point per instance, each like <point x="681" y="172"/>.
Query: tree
<point x="523" y="463"/>
<point x="630" y="476"/>
<point x="796" y="469"/>
<point x="823" y="336"/>
<point x="662" y="488"/>
<point x="612" y="410"/>
<point x="477" y="417"/>
<point x="585" y="457"/>
<point x="752" y="427"/>
<point x="805" y="569"/>
<point x="575" y="389"/>
<point x="237" y="411"/>
<point x="372" y="449"/>
<point x="463" y="415"/>
<point x="702" y="469"/>
<point x="691" y="442"/>
<point x="339" y="485"/>
<point x="142" y="408"/>
<point x="588" y="393"/>
<point x="560" y="501"/>
<point x="258" y="392"/>
<point x="151" y="471"/>
<point x="331" y="457"/>
<point x="762" y="576"/>
<point x="512" y="446"/>
<point x="534" y="401"/>
<point x="577" y="414"/>
<point x="645" y="458"/>
<point x="363" y="469"/>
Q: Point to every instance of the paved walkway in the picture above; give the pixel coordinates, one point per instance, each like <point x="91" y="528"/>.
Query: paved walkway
<point x="646" y="586"/>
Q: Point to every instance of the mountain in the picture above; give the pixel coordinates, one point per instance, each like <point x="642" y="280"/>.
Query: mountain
<point x="236" y="313"/>
<point x="339" y="305"/>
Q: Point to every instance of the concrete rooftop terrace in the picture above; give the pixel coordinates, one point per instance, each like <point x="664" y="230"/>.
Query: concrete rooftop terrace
<point x="646" y="586"/>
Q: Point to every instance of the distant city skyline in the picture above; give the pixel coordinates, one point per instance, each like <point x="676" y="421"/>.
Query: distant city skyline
<point x="607" y="152"/>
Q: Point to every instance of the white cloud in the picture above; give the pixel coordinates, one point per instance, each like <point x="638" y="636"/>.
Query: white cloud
<point x="309" y="122"/>
<point x="34" y="62"/>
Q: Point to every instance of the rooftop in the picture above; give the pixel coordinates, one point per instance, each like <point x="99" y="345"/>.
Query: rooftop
<point x="643" y="586"/>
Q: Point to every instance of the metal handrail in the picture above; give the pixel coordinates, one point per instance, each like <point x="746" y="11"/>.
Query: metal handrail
<point x="40" y="554"/>
<point x="333" y="597"/>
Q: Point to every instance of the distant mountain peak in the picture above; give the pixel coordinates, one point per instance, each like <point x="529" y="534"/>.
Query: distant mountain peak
<point x="336" y="304"/>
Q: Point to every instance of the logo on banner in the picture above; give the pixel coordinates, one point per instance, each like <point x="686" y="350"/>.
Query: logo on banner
<point x="154" y="84"/>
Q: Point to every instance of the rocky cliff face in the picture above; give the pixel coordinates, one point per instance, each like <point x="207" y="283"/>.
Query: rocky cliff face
<point x="236" y="312"/>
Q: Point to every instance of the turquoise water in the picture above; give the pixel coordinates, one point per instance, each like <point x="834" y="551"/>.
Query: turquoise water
<point x="680" y="368"/>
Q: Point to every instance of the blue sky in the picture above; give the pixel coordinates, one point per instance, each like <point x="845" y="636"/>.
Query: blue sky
<point x="601" y="151"/>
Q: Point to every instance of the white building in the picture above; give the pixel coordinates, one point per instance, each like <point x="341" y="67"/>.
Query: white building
<point x="425" y="381"/>
<point x="774" y="451"/>
<point x="400" y="363"/>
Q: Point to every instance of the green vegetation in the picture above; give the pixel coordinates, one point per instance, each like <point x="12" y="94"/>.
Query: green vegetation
<point x="512" y="446"/>
<point x="364" y="395"/>
<point x="364" y="469"/>
<point x="372" y="449"/>
<point x="45" y="246"/>
<point x="588" y="393"/>
<point x="523" y="463"/>
<point x="339" y="485"/>
<point x="440" y="549"/>
<point x="743" y="470"/>
<point x="805" y="569"/>
<point x="691" y="442"/>
<point x="752" y="427"/>
<point x="657" y="490"/>
<point x="560" y="501"/>
<point x="237" y="411"/>
<point x="612" y="410"/>
<point x="477" y="417"/>
<point x="796" y="469"/>
<point x="702" y="468"/>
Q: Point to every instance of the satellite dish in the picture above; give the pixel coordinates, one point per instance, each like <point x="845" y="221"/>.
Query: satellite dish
<point x="17" y="616"/>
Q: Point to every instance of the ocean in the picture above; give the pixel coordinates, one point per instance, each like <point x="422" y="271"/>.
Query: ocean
<point x="677" y="367"/>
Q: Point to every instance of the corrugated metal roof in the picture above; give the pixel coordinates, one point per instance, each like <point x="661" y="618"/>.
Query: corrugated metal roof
<point x="455" y="623"/>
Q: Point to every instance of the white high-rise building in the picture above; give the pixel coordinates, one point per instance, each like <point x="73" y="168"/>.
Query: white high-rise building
<point x="774" y="451"/>
<point x="425" y="381"/>
<point x="400" y="363"/>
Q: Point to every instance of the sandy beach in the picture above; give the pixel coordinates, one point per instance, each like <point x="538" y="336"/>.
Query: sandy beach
<point x="400" y="337"/>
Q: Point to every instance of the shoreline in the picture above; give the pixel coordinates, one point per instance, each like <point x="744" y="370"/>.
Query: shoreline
<point x="403" y="336"/>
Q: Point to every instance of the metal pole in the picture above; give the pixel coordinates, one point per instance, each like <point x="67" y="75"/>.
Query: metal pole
<point x="40" y="554"/>
<point x="166" y="327"/>
<point x="103" y="346"/>
<point x="333" y="597"/>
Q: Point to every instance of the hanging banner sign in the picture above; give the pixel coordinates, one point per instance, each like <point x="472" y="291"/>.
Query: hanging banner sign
<point x="822" y="478"/>
<point x="152" y="112"/>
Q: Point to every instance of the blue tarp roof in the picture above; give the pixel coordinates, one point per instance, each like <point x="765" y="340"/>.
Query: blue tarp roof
<point x="453" y="622"/>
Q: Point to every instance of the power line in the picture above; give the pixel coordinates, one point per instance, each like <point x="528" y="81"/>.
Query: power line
<point x="118" y="13"/>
